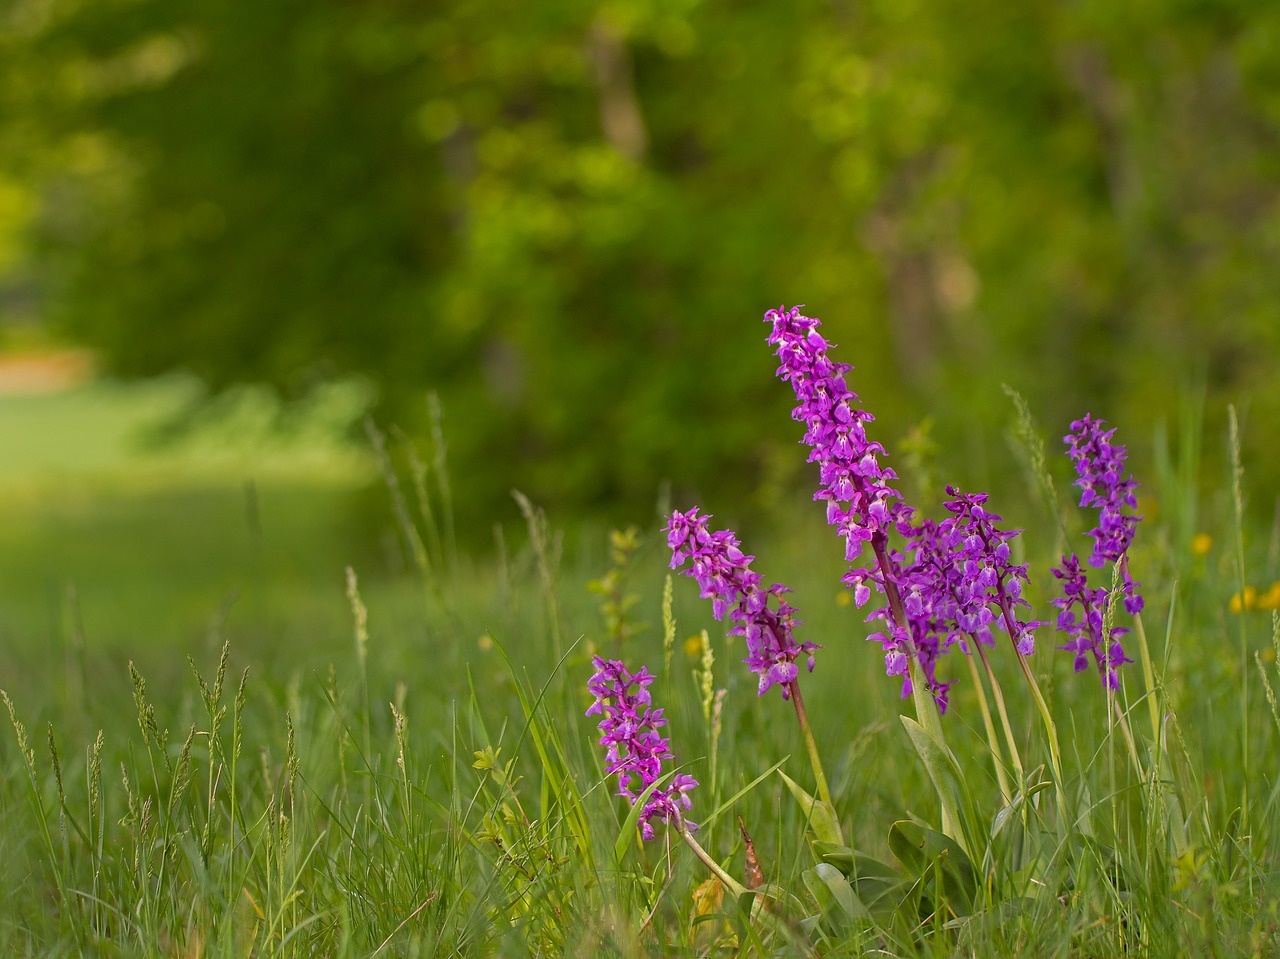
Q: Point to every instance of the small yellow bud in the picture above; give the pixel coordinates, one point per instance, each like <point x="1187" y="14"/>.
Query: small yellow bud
<point x="1201" y="543"/>
<point x="693" y="647"/>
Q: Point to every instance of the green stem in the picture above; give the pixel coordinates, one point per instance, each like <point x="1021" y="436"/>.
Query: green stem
<point x="824" y="793"/>
<point x="926" y="707"/>
<point x="1055" y="752"/>
<point x="737" y="888"/>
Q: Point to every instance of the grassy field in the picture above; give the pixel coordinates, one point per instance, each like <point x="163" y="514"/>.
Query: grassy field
<point x="402" y="765"/>
<point x="150" y="535"/>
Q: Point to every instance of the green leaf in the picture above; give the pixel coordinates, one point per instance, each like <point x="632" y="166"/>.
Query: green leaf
<point x="854" y="865"/>
<point x="948" y="780"/>
<point x="873" y="882"/>
<point x="922" y="851"/>
<point x="832" y="891"/>
<point x="1002" y="817"/>
<point x="820" y="815"/>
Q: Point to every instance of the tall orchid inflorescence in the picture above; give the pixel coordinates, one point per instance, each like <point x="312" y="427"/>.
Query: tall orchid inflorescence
<point x="724" y="574"/>
<point x="861" y="503"/>
<point x="634" y="749"/>
<point x="1100" y="475"/>
<point x="1100" y="467"/>
<point x="957" y="580"/>
<point x="955" y="577"/>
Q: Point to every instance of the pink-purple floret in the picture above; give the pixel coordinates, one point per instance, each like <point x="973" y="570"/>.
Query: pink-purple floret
<point x="724" y="576"/>
<point x="634" y="749"/>
<point x="955" y="577"/>
<point x="860" y="501"/>
<point x="1100" y="475"/>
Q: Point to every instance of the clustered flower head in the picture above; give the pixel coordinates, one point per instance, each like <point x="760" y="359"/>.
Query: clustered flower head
<point x="1086" y="632"/>
<point x="1100" y="470"/>
<point x="1100" y="467"/>
<point x="724" y="575"/>
<point x="634" y="749"/>
<point x="990" y="586"/>
<point x="956" y="580"/>
<point x="861" y="503"/>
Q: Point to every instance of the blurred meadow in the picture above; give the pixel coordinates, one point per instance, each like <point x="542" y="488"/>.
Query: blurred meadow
<point x="144" y="536"/>
<point x="293" y="296"/>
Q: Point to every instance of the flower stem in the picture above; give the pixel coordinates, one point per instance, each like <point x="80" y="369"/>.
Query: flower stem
<point x="824" y="793"/>
<point x="1163" y="769"/>
<point x="887" y="573"/>
<point x="926" y="706"/>
<point x="737" y="888"/>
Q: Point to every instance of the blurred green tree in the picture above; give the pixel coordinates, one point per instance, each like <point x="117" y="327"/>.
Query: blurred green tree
<point x="568" y="216"/>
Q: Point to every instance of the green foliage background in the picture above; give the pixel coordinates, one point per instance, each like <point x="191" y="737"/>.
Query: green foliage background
<point x="567" y="217"/>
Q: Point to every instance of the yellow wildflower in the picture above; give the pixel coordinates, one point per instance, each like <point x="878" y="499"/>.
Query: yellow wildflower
<point x="1201" y="543"/>
<point x="693" y="647"/>
<point x="1248" y="603"/>
<point x="1253" y="600"/>
<point x="1270" y="599"/>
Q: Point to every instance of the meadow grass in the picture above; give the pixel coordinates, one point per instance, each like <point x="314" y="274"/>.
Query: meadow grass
<point x="408" y="769"/>
<point x="434" y="789"/>
<point x="114" y="518"/>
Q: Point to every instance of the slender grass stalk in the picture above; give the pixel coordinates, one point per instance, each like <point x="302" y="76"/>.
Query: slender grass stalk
<point x="1148" y="668"/>
<point x="1131" y="746"/>
<point x="97" y="836"/>
<point x="1165" y="769"/>
<point x="717" y="728"/>
<point x="1046" y="717"/>
<point x="1032" y="446"/>
<point x="360" y="617"/>
<point x="1113" y="792"/>
<point x="668" y="627"/>
<point x="440" y="461"/>
<point x="1120" y="714"/>
<point x="1262" y="670"/>
<point x="233" y="809"/>
<point x="399" y="506"/>
<point x="997" y="693"/>
<point x="1237" y="498"/>
<point x="420" y="473"/>
<point x="543" y="551"/>
<point x="42" y="816"/>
